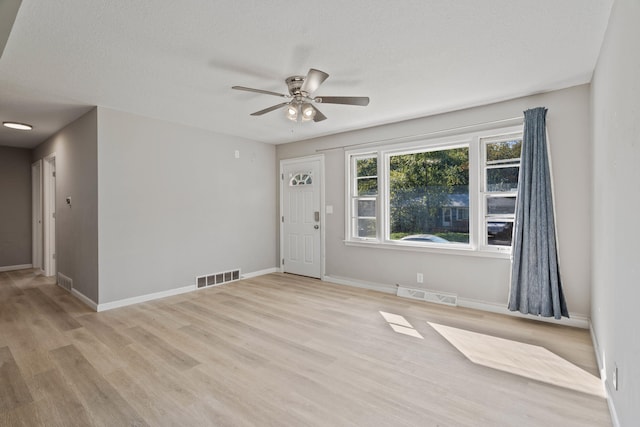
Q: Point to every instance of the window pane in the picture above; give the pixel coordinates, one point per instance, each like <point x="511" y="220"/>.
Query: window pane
<point x="462" y="213"/>
<point x="505" y="150"/>
<point x="425" y="188"/>
<point x="366" y="227"/>
<point x="501" y="205"/>
<point x="499" y="233"/>
<point x="367" y="186"/>
<point x="367" y="167"/>
<point x="503" y="179"/>
<point x="366" y="208"/>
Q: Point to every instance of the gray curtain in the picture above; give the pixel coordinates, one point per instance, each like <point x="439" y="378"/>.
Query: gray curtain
<point x="535" y="277"/>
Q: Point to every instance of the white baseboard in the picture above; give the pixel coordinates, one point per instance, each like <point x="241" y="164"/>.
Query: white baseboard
<point x="603" y="377"/>
<point x="144" y="298"/>
<point x="260" y="273"/>
<point x="85" y="299"/>
<point x="381" y="287"/>
<point x="575" y="320"/>
<point x="15" y="267"/>
<point x="168" y="293"/>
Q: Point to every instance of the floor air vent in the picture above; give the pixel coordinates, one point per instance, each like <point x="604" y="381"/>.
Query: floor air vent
<point x="65" y="282"/>
<point x="217" y="278"/>
<point x="427" y="295"/>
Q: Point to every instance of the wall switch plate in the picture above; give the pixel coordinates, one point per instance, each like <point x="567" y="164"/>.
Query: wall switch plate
<point x="237" y="154"/>
<point x="419" y="278"/>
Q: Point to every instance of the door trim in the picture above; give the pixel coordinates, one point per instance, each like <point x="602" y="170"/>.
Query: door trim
<point x="48" y="206"/>
<point x="286" y="162"/>
<point x="36" y="214"/>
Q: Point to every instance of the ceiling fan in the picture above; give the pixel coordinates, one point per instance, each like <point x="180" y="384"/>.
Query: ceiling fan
<point x="301" y="88"/>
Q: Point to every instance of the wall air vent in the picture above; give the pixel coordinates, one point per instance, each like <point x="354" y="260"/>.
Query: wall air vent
<point x="427" y="295"/>
<point x="215" y="279"/>
<point x="65" y="282"/>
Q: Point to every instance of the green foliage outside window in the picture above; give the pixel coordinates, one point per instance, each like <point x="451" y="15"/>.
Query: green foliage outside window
<point x="421" y="185"/>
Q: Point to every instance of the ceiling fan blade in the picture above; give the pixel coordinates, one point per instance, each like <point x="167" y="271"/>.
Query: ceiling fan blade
<point x="346" y="100"/>
<point x="313" y="80"/>
<point x="268" y="110"/>
<point x="266" y="92"/>
<point x="319" y="116"/>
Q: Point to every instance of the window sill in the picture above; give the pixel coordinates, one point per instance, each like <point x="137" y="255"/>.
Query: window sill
<point x="458" y="250"/>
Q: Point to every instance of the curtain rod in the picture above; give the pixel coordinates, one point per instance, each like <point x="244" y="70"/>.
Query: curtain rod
<point x="421" y="135"/>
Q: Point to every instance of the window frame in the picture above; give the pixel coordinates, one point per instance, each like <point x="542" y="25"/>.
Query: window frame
<point x="478" y="245"/>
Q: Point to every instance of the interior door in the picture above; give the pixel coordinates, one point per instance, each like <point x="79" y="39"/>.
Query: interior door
<point x="49" y="215"/>
<point x="301" y="219"/>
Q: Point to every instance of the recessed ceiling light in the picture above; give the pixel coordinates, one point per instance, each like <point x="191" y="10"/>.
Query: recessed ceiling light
<point x="16" y="125"/>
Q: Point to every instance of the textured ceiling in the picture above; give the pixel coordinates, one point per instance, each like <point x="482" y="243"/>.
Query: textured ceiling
<point x="177" y="60"/>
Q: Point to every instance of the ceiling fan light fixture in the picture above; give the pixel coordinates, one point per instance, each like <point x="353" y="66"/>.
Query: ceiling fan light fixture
<point x="16" y="125"/>
<point x="292" y="112"/>
<point x="308" y="112"/>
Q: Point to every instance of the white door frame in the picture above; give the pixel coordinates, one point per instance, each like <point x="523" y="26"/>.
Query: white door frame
<point x="36" y="215"/>
<point x="283" y="163"/>
<point x="49" y="209"/>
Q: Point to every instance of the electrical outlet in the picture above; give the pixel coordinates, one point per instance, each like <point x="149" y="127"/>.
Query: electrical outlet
<point x="614" y="377"/>
<point x="420" y="278"/>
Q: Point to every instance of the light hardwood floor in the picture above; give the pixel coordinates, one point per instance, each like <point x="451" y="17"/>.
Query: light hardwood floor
<point x="278" y="350"/>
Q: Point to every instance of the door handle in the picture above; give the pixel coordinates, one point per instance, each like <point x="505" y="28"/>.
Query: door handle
<point x="316" y="226"/>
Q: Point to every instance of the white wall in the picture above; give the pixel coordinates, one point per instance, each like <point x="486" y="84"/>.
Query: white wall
<point x="472" y="278"/>
<point x="174" y="203"/>
<point x="75" y="147"/>
<point x="616" y="203"/>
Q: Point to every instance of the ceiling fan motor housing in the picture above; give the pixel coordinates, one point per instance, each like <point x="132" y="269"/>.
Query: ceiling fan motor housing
<point x="294" y="83"/>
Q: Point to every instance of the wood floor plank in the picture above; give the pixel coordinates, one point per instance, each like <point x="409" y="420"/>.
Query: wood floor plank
<point x="103" y="402"/>
<point x="58" y="404"/>
<point x="164" y="350"/>
<point x="13" y="389"/>
<point x="27" y="415"/>
<point x="104" y="332"/>
<point x="53" y="312"/>
<point x="149" y="402"/>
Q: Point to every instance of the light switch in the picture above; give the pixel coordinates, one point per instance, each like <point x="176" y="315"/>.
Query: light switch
<point x="329" y="209"/>
<point x="237" y="154"/>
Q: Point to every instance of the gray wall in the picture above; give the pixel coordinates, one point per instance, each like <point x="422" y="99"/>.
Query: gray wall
<point x="8" y="12"/>
<point x="616" y="203"/>
<point x="176" y="203"/>
<point x="15" y="206"/>
<point x="483" y="280"/>
<point x="75" y="147"/>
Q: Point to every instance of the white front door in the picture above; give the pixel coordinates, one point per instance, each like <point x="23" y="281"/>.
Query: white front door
<point x="301" y="218"/>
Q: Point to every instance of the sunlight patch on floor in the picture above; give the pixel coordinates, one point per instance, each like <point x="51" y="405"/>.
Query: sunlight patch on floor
<point x="400" y="325"/>
<point x="522" y="359"/>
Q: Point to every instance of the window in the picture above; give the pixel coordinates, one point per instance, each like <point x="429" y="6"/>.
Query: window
<point x="301" y="178"/>
<point x="442" y="194"/>
<point x="501" y="167"/>
<point x="364" y="199"/>
<point x="424" y="188"/>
